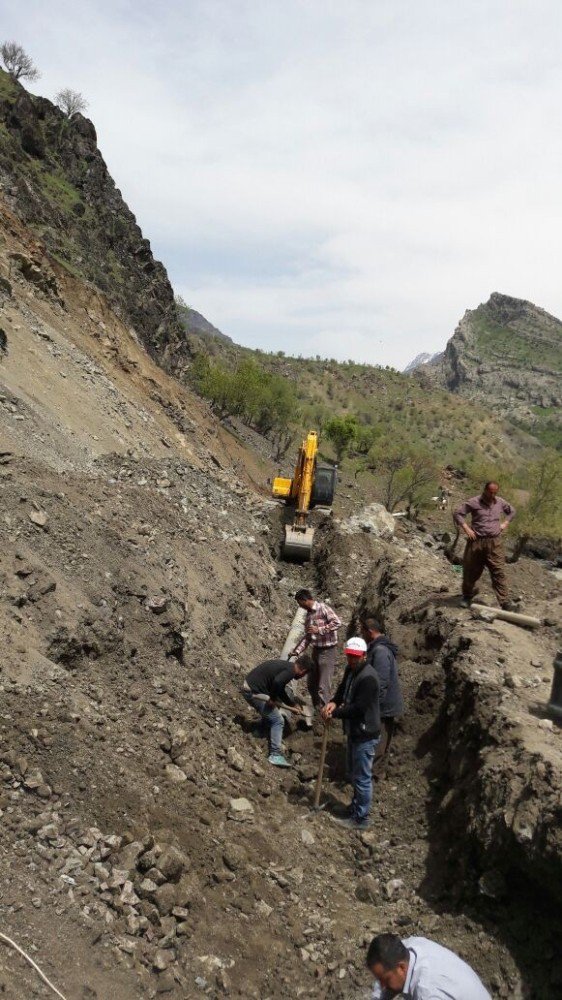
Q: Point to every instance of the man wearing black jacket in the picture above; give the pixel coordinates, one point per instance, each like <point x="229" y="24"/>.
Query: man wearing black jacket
<point x="381" y="654"/>
<point x="265" y="688"/>
<point x="356" y="703"/>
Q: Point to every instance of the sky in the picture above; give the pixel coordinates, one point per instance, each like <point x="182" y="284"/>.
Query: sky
<point x="332" y="177"/>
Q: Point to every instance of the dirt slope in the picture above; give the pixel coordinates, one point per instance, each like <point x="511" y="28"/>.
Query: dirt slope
<point x="138" y="582"/>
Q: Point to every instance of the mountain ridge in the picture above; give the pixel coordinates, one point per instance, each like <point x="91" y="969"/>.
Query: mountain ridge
<point x="507" y="352"/>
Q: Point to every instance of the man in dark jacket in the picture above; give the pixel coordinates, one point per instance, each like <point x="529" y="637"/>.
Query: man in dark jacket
<point x="265" y="689"/>
<point x="381" y="654"/>
<point x="356" y="703"/>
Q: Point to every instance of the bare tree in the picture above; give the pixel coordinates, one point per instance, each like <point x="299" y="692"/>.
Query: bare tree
<point x="405" y="474"/>
<point x="20" y="66"/>
<point x="70" y="102"/>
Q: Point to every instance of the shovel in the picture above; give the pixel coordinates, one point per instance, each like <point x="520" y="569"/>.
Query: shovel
<point x="318" y="789"/>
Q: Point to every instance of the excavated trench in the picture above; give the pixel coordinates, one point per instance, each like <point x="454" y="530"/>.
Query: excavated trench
<point x="489" y="864"/>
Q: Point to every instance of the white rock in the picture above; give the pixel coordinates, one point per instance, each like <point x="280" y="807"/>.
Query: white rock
<point x="175" y="774"/>
<point x="128" y="895"/>
<point x="235" y="759"/>
<point x="373" y="519"/>
<point x="39" y="517"/>
<point x="393" y="887"/>
<point x="241" y="806"/>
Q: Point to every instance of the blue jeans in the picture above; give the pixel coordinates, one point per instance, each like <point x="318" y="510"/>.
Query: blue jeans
<point x="360" y="757"/>
<point x="271" y="715"/>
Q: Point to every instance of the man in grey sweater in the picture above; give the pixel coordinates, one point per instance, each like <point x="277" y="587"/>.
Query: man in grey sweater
<point x="381" y="654"/>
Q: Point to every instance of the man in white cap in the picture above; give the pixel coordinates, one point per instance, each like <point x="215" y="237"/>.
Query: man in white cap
<point x="356" y="703"/>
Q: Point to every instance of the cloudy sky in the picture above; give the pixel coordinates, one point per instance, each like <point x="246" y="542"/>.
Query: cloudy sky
<point x="334" y="177"/>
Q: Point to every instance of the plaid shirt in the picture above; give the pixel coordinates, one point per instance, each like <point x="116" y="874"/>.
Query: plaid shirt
<point x="327" y="624"/>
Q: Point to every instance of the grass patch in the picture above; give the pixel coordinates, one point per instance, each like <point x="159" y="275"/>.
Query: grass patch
<point x="67" y="266"/>
<point x="7" y="87"/>
<point x="59" y="190"/>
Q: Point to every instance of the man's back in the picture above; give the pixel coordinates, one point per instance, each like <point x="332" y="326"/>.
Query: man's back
<point x="382" y="655"/>
<point x="270" y="677"/>
<point x="436" y="973"/>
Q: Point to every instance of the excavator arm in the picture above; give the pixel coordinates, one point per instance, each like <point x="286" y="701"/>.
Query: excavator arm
<point x="299" y="492"/>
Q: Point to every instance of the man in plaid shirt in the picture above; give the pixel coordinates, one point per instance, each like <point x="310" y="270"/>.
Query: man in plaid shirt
<point x="321" y="633"/>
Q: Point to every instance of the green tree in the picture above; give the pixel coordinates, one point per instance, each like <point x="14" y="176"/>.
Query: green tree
<point x="542" y="516"/>
<point x="341" y="431"/>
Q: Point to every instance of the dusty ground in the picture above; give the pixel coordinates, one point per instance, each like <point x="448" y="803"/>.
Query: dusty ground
<point x="138" y="582"/>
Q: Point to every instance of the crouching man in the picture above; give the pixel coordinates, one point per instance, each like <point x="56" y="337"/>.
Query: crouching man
<point x="356" y="703"/>
<point x="265" y="689"/>
<point x="418" y="969"/>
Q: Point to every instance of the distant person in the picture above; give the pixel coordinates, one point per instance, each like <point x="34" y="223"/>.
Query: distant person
<point x="419" y="969"/>
<point x="321" y="634"/>
<point x="442" y="498"/>
<point x="381" y="654"/>
<point x="265" y="689"/>
<point x="356" y="703"/>
<point x="484" y="547"/>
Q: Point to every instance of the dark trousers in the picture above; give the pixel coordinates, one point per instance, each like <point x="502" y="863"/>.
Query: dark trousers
<point x="322" y="673"/>
<point x="480" y="554"/>
<point x="381" y="759"/>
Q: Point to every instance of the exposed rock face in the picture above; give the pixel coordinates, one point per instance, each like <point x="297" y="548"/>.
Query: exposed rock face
<point x="507" y="353"/>
<point x="54" y="177"/>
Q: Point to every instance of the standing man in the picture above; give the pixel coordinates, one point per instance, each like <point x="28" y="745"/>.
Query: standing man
<point x="484" y="547"/>
<point x="265" y="689"/>
<point x="381" y="654"/>
<point x="420" y="969"/>
<point x="321" y="633"/>
<point x="356" y="702"/>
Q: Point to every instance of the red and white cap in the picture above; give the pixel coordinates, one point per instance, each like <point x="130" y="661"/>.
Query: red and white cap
<point x="355" y="646"/>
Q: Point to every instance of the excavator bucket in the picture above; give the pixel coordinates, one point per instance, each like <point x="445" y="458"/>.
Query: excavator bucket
<point x="297" y="545"/>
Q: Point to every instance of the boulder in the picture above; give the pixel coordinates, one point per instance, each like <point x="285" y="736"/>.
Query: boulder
<point x="373" y="519"/>
<point x="172" y="863"/>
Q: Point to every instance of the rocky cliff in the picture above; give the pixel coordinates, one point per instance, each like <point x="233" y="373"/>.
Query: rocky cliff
<point x="507" y="353"/>
<point x="55" y="179"/>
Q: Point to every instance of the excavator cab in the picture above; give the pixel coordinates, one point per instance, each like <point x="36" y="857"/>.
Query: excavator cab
<point x="312" y="485"/>
<point x="324" y="488"/>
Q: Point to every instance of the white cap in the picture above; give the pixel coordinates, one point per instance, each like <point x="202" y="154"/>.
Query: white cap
<point x="355" y="646"/>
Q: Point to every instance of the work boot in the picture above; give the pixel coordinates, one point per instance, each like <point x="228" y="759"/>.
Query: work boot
<point x="350" y="823"/>
<point x="509" y="606"/>
<point x="278" y="760"/>
<point x="466" y="602"/>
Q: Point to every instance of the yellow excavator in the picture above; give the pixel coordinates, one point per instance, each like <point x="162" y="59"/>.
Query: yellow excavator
<point x="312" y="485"/>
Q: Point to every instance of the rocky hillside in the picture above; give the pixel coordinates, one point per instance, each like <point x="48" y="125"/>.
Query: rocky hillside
<point x="199" y="328"/>
<point x="507" y="354"/>
<point x="54" y="177"/>
<point x="147" y="848"/>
